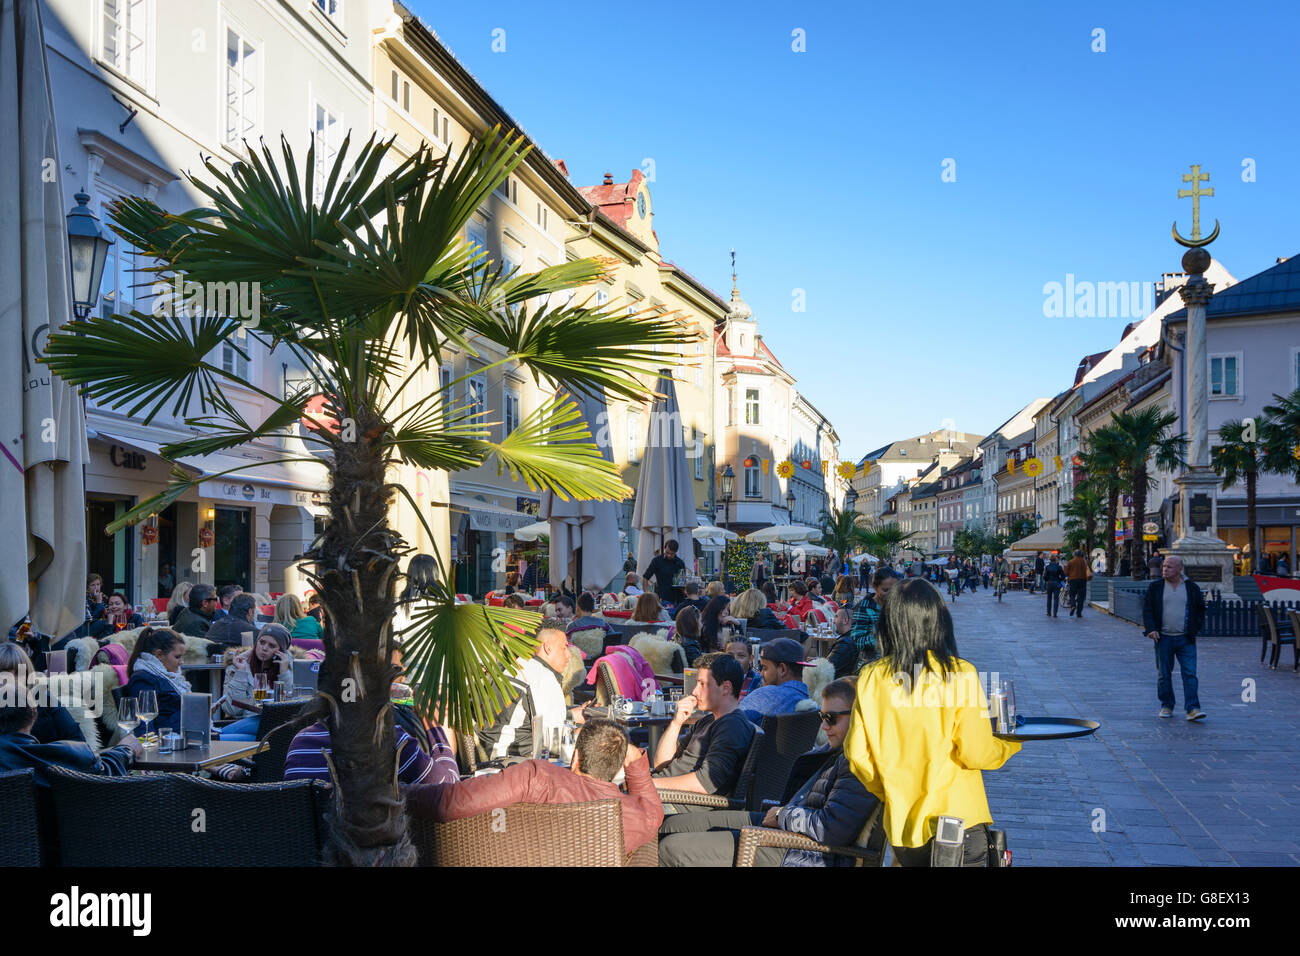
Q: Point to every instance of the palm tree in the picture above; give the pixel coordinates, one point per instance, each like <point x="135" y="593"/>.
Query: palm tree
<point x="1236" y="459"/>
<point x="1083" y="513"/>
<point x="884" y="540"/>
<point x="841" y="530"/>
<point x="1101" y="463"/>
<point x="1280" y="431"/>
<point x="365" y="290"/>
<point x="1145" y="438"/>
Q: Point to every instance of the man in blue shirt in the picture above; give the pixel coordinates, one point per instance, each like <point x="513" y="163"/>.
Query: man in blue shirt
<point x="782" y="664"/>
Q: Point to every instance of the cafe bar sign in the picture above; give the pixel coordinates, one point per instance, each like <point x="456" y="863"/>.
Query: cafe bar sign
<point x="125" y="458"/>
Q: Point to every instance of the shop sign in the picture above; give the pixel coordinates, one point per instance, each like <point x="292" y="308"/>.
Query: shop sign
<point x="264" y="549"/>
<point x="125" y="458"/>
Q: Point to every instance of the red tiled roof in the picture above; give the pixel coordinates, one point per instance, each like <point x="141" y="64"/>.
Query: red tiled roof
<point x="615" y="200"/>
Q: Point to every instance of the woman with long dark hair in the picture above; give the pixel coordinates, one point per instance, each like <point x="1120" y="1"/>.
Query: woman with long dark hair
<point x="686" y="632"/>
<point x="155" y="665"/>
<point x="711" y="621"/>
<point x="921" y="733"/>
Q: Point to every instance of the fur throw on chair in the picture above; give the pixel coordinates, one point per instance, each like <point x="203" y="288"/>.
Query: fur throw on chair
<point x="196" y="648"/>
<point x="575" y="672"/>
<point x="664" y="657"/>
<point x="816" y="676"/>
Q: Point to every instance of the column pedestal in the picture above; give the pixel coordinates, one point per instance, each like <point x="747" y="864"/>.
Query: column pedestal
<point x="1206" y="559"/>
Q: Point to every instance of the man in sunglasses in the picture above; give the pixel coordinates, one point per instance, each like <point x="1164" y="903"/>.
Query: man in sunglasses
<point x="197" y="618"/>
<point x="831" y="808"/>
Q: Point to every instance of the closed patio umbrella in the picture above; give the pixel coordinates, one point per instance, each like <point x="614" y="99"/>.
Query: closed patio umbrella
<point x="42" y="425"/>
<point x="584" y="534"/>
<point x="665" y="502"/>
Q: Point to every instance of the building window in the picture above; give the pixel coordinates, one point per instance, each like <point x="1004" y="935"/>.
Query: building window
<point x="509" y="189"/>
<point x="406" y="96"/>
<point x="393" y="91"/>
<point x="512" y="412"/>
<point x="753" y="483"/>
<point x="243" y="88"/>
<point x="633" y="438"/>
<point x="117" y="290"/>
<point x="476" y="394"/>
<point x="441" y="126"/>
<point x="543" y="216"/>
<point x="325" y="139"/>
<point x="331" y="8"/>
<point x="751" y="406"/>
<point x="125" y="42"/>
<point x="231" y="360"/>
<point x="1224" y="374"/>
<point x="444" y="381"/>
<point x="697" y="446"/>
<point x="478" y="238"/>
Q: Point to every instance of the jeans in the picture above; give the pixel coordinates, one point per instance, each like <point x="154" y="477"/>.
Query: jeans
<point x="1169" y="647"/>
<point x="710" y="839"/>
<point x="1077" y="589"/>
<point x="976" y="850"/>
<point x="243" y="729"/>
<point x="1053" y="599"/>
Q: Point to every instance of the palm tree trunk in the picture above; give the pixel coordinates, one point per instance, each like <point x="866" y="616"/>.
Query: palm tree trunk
<point x="355" y="564"/>
<point x="1251" y="527"/>
<point x="1137" y="567"/>
<point x="1112" y="516"/>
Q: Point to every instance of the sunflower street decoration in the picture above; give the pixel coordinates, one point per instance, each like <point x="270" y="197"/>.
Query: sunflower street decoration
<point x="785" y="469"/>
<point x="1033" y="467"/>
<point x="845" y="470"/>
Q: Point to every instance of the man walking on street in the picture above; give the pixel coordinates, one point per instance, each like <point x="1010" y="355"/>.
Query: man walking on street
<point x="1053" y="578"/>
<point x="1039" y="564"/>
<point x="1078" y="572"/>
<point x="1173" y="612"/>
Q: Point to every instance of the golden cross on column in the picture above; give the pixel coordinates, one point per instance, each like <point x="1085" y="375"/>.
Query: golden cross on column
<point x="1196" y="177"/>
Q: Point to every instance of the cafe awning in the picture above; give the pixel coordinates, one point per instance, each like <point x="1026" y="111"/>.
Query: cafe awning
<point x="489" y="517"/>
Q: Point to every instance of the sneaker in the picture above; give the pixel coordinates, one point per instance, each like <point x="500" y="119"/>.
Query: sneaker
<point x="1196" y="715"/>
<point x="1166" y="712"/>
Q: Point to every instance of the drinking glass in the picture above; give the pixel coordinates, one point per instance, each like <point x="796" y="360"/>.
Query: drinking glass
<point x="569" y="743"/>
<point x="674" y="695"/>
<point x="616" y="705"/>
<point x="146" y="705"/>
<point x="127" y="716"/>
<point x="556" y="744"/>
<point x="261" y="689"/>
<point x="541" y="748"/>
<point x="1009" y="688"/>
<point x="166" y="742"/>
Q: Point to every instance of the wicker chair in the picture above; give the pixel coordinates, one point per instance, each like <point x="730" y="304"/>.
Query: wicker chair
<point x="783" y="739"/>
<point x="1274" y="638"/>
<point x="1294" y="617"/>
<point x="274" y="824"/>
<point x="606" y="684"/>
<point x="275" y="714"/>
<point x="528" y="834"/>
<point x="268" y="766"/>
<point x="153" y="821"/>
<point x="867" y="850"/>
<point x="20" y="820"/>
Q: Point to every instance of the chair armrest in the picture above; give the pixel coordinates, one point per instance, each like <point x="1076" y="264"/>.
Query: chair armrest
<point x="768" y="804"/>
<point x="751" y="838"/>
<point x="686" y="798"/>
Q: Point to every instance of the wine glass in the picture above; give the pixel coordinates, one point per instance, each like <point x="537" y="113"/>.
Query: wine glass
<point x="556" y="744"/>
<point x="146" y="705"/>
<point x="127" y="716"/>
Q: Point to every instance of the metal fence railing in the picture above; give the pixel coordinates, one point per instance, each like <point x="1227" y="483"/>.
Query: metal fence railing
<point x="1222" y="618"/>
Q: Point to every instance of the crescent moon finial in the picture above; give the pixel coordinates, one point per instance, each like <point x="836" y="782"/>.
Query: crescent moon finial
<point x="1196" y="243"/>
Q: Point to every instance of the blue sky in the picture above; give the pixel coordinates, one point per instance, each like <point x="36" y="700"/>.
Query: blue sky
<point x="924" y="298"/>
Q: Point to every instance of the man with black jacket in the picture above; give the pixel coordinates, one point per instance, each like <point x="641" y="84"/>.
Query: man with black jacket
<point x="831" y="808"/>
<point x="1173" y="613"/>
<point x="664" y="568"/>
<point x="1053" y="578"/>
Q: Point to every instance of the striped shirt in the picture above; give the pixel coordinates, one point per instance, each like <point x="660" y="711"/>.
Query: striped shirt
<point x="306" y="757"/>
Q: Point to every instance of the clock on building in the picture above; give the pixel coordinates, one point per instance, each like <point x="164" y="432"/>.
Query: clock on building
<point x="640" y="204"/>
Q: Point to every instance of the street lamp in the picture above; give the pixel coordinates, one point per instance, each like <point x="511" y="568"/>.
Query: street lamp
<point x="728" y="488"/>
<point x="88" y="252"/>
<point x="789" y="502"/>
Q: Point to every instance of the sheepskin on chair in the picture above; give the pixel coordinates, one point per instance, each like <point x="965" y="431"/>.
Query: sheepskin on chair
<point x="196" y="648"/>
<point x="816" y="676"/>
<point x="575" y="672"/>
<point x="664" y="657"/>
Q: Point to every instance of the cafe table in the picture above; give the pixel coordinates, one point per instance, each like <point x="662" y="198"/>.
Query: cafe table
<point x="192" y="758"/>
<point x="654" y="725"/>
<point x="216" y="675"/>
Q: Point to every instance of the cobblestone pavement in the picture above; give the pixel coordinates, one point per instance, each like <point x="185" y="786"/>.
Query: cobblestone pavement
<point x="1141" y="791"/>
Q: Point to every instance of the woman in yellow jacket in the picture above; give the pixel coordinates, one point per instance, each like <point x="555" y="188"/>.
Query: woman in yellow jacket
<point x="920" y="733"/>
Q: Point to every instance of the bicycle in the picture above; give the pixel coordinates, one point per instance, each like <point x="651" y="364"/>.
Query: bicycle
<point x="1001" y="586"/>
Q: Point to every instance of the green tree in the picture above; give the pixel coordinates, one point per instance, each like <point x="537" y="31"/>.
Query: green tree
<point x="1102" y="458"/>
<point x="1237" y="459"/>
<point x="1280" y="431"/>
<point x="365" y="290"/>
<point x="841" y="530"/>
<point x="883" y="541"/>
<point x="1146" y="437"/>
<point x="1022" y="527"/>
<point x="1083" y="513"/>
